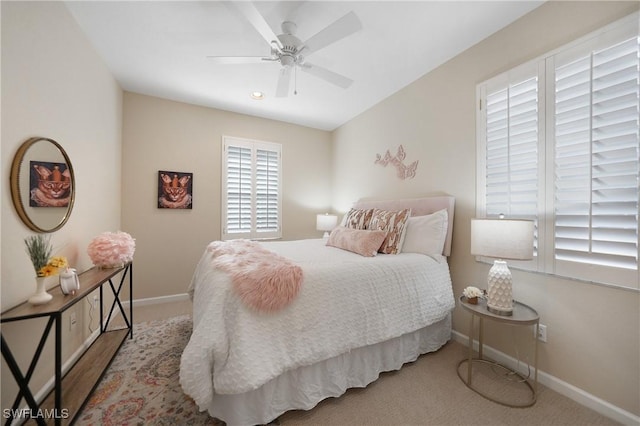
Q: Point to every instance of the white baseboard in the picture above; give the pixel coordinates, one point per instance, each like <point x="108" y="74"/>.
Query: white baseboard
<point x="570" y="391"/>
<point x="156" y="300"/>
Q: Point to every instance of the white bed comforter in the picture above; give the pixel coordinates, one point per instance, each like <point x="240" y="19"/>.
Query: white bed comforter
<point x="346" y="301"/>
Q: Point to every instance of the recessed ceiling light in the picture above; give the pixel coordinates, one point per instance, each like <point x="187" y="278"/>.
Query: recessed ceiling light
<point x="257" y="95"/>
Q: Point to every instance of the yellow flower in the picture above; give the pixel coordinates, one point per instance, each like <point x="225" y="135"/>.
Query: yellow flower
<point x="52" y="268"/>
<point x="58" y="262"/>
<point x="47" y="271"/>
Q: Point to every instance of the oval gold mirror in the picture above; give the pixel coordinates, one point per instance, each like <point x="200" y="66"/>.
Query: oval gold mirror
<point x="42" y="184"/>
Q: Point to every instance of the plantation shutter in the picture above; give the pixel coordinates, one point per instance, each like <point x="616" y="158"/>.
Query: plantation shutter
<point x="267" y="191"/>
<point x="239" y="192"/>
<point x="511" y="125"/>
<point x="251" y="196"/>
<point x="597" y="158"/>
<point x="512" y="150"/>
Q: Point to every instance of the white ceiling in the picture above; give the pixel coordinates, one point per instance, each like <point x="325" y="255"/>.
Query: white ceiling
<point x="159" y="48"/>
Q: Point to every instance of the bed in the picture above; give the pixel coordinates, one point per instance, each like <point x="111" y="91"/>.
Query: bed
<point x="353" y="317"/>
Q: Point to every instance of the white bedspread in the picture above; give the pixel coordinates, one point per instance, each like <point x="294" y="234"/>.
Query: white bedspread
<point x="346" y="301"/>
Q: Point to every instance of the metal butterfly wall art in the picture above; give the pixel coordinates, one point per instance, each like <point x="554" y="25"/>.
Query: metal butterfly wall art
<point x="402" y="171"/>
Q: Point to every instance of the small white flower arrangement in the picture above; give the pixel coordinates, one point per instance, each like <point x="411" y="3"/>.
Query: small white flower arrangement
<point x="471" y="292"/>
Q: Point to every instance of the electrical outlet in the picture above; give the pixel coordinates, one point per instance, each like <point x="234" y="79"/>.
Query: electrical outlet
<point x="73" y="320"/>
<point x="96" y="299"/>
<point x="542" y="333"/>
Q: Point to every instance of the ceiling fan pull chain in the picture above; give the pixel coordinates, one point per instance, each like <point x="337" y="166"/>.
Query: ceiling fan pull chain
<point x="295" y="80"/>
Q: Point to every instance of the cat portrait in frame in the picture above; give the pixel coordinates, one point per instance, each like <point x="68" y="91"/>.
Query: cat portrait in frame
<point x="175" y="190"/>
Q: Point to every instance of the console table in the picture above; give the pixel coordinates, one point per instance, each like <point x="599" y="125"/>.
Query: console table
<point x="70" y="391"/>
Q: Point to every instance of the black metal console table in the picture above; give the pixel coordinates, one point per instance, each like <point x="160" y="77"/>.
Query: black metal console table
<point x="70" y="392"/>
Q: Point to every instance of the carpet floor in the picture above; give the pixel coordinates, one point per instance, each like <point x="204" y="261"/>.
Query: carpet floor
<point x="141" y="387"/>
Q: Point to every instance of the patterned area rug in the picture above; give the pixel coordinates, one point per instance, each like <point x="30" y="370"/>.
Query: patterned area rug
<point x="141" y="387"/>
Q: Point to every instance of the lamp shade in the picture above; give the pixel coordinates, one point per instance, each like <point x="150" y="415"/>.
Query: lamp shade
<point x="326" y="222"/>
<point x="502" y="238"/>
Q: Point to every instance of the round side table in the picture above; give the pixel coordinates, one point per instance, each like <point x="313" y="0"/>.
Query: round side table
<point x="523" y="315"/>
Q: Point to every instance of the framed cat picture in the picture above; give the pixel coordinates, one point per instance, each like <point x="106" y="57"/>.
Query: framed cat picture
<point x="49" y="184"/>
<point x="175" y="190"/>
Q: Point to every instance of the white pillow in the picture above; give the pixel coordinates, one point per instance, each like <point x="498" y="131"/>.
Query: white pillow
<point x="426" y="234"/>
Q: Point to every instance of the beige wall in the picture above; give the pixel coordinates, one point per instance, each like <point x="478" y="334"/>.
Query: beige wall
<point x="54" y="85"/>
<point x="166" y="135"/>
<point x="593" y="331"/>
<point x="118" y="143"/>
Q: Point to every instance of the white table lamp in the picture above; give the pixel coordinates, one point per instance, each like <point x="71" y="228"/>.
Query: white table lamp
<point x="326" y="222"/>
<point x="501" y="239"/>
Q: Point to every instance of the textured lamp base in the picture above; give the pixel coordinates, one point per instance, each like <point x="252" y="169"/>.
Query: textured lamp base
<point x="500" y="294"/>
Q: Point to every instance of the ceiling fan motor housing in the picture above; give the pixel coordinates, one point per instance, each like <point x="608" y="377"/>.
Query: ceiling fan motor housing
<point x="291" y="46"/>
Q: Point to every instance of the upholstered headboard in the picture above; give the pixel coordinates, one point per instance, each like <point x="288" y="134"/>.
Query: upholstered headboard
<point x="419" y="207"/>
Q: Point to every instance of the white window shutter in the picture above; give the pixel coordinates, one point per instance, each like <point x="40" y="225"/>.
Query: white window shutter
<point x="511" y="164"/>
<point x="597" y="157"/>
<point x="267" y="191"/>
<point x="238" y="190"/>
<point x="512" y="150"/>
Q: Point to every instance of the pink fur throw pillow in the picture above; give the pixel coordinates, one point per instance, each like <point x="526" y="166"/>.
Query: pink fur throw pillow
<point x="362" y="242"/>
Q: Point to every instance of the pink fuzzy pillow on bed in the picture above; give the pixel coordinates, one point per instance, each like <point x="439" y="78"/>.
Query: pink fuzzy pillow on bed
<point x="365" y="243"/>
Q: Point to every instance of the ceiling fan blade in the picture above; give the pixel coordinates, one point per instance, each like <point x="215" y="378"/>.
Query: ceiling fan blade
<point x="282" y="91"/>
<point x="330" y="76"/>
<point x="251" y="13"/>
<point x="226" y="60"/>
<point x="341" y="28"/>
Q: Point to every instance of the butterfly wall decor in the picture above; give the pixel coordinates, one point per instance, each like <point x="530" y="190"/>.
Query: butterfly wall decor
<point x="402" y="171"/>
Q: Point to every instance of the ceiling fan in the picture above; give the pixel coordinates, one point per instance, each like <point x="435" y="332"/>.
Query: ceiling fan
<point x="290" y="51"/>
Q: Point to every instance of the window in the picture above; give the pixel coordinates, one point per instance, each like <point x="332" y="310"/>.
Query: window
<point x="251" y="189"/>
<point x="559" y="143"/>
